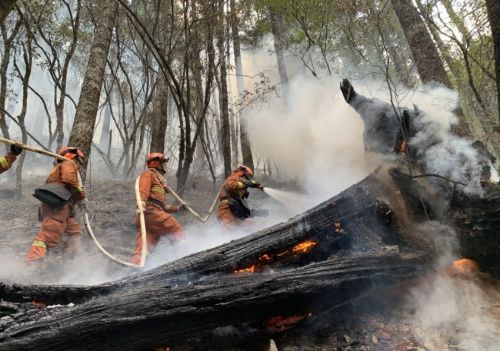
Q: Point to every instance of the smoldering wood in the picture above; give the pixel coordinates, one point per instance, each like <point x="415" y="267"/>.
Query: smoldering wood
<point x="367" y="237"/>
<point x="169" y="315"/>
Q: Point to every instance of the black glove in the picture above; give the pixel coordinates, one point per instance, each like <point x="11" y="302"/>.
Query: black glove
<point x="16" y="150"/>
<point x="347" y="90"/>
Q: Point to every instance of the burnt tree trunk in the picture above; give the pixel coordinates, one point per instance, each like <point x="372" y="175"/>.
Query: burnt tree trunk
<point x="82" y="131"/>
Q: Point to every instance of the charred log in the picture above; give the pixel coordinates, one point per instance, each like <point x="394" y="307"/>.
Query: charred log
<point x="167" y="315"/>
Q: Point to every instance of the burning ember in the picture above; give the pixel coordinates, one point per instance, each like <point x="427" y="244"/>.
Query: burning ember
<point x="38" y="304"/>
<point x="299" y="249"/>
<point x="304" y="247"/>
<point x="463" y="267"/>
<point x="403" y="147"/>
<point x="338" y="227"/>
<point x="279" y="324"/>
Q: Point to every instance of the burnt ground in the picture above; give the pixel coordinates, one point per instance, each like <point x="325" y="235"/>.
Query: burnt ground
<point x="436" y="313"/>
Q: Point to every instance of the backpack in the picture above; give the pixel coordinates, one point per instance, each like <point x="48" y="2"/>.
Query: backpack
<point x="53" y="194"/>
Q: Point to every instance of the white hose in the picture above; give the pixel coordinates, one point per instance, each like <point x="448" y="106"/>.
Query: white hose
<point x="193" y="212"/>
<point x="143" y="231"/>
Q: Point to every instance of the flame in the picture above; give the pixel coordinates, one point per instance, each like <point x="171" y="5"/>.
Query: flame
<point x="403" y="147"/>
<point x="304" y="247"/>
<point x="338" y="227"/>
<point x="265" y="258"/>
<point x="249" y="269"/>
<point x="463" y="267"/>
<point x="280" y="324"/>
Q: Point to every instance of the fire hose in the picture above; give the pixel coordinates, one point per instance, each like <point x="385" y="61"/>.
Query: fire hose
<point x="140" y="208"/>
<point x="86" y="215"/>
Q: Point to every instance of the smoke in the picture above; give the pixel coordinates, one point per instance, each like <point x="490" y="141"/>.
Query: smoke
<point x="452" y="312"/>
<point x="317" y="141"/>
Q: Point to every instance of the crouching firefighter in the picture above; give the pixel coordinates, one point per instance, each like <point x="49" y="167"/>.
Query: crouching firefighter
<point x="7" y="160"/>
<point x="233" y="208"/>
<point x="157" y="215"/>
<point x="59" y="196"/>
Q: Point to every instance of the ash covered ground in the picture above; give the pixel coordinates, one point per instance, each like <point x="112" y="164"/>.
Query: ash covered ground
<point x="437" y="312"/>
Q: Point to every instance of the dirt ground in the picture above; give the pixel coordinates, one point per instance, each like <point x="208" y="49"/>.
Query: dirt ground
<point x="404" y="323"/>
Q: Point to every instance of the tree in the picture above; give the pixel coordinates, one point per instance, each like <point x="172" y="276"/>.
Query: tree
<point x="223" y="91"/>
<point x="246" y="149"/>
<point x="429" y="65"/>
<point x="493" y="7"/>
<point x="88" y="103"/>
<point x="5" y="7"/>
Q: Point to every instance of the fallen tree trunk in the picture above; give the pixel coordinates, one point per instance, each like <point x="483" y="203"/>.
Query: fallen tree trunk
<point x="177" y="315"/>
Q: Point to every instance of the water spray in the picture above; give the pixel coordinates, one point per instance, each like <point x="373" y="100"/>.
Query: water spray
<point x="291" y="200"/>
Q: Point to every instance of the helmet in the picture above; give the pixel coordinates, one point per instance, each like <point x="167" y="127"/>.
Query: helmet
<point x="71" y="152"/>
<point x="247" y="170"/>
<point x="154" y="159"/>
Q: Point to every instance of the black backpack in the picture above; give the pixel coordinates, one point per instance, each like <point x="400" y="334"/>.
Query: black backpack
<point x="53" y="194"/>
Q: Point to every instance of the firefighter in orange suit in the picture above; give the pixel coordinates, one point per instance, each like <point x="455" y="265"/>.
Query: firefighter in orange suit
<point x="7" y="160"/>
<point x="233" y="208"/>
<point x="157" y="215"/>
<point x="57" y="221"/>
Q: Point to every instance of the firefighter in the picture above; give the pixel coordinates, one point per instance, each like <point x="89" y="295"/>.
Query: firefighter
<point x="157" y="215"/>
<point x="233" y="208"/>
<point x="7" y="160"/>
<point x="60" y="219"/>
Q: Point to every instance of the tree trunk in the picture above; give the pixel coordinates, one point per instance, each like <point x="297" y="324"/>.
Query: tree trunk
<point x="159" y="116"/>
<point x="4" y="66"/>
<point x="493" y="7"/>
<point x="276" y="28"/>
<point x="223" y="91"/>
<point x="429" y="64"/>
<point x="82" y="131"/>
<point x="246" y="149"/>
<point x="5" y="7"/>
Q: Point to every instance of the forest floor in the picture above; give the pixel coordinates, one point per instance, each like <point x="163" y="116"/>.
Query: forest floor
<point x="440" y="314"/>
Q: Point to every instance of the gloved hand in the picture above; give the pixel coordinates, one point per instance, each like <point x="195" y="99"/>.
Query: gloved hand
<point x="84" y="207"/>
<point x="143" y="207"/>
<point x="255" y="184"/>
<point x="347" y="90"/>
<point x="16" y="150"/>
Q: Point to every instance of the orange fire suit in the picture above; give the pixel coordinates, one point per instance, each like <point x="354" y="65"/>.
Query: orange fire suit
<point x="236" y="189"/>
<point x="159" y="221"/>
<point x="6" y="161"/>
<point x="60" y="220"/>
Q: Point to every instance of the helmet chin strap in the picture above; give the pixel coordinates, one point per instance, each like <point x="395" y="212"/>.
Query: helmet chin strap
<point x="161" y="168"/>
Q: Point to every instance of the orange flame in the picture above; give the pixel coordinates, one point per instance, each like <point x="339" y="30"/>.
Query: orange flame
<point x="403" y="146"/>
<point x="338" y="227"/>
<point x="280" y="324"/>
<point x="463" y="267"/>
<point x="249" y="269"/>
<point x="304" y="247"/>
